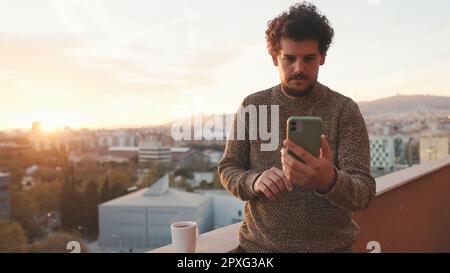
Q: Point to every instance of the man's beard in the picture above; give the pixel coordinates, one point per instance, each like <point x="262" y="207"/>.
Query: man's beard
<point x="296" y="92"/>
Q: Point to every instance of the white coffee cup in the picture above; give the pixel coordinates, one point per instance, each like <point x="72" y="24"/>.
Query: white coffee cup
<point x="184" y="236"/>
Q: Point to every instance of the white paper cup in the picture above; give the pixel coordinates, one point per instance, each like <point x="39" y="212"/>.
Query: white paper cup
<point x="184" y="236"/>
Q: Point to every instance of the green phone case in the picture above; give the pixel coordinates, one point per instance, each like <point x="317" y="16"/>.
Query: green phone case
<point x="305" y="131"/>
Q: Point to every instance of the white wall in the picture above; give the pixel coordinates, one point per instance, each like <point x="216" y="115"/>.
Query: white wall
<point x="140" y="227"/>
<point x="226" y="209"/>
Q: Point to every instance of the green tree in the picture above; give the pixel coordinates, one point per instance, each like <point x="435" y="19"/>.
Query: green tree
<point x="12" y="237"/>
<point x="24" y="210"/>
<point x="47" y="174"/>
<point x="187" y="186"/>
<point x="216" y="183"/>
<point x="91" y="201"/>
<point x="47" y="196"/>
<point x="204" y="185"/>
<point x="71" y="206"/>
<point x="156" y="171"/>
<point x="184" y="173"/>
<point x="105" y="191"/>
<point x="150" y="178"/>
<point x="119" y="182"/>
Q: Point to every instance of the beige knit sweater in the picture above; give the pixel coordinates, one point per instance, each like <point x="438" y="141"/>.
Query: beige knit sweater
<point x="302" y="220"/>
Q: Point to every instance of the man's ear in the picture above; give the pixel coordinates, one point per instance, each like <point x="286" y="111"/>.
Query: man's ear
<point x="274" y="59"/>
<point x="322" y="60"/>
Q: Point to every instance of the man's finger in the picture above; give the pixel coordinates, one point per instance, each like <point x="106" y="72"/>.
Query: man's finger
<point x="299" y="151"/>
<point x="271" y="185"/>
<point x="267" y="192"/>
<point x="287" y="183"/>
<point x="293" y="174"/>
<point x="276" y="180"/>
<point x="293" y="163"/>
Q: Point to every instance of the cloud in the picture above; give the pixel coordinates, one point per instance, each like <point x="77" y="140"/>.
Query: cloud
<point x="74" y="67"/>
<point x="105" y="84"/>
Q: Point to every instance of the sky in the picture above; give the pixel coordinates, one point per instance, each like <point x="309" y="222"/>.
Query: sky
<point x="111" y="63"/>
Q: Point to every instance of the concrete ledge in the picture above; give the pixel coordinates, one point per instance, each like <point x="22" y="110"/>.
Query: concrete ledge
<point x="393" y="180"/>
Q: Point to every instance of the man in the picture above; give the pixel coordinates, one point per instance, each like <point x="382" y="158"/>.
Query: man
<point x="295" y="206"/>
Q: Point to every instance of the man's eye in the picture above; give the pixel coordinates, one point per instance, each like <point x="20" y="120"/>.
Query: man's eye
<point x="289" y="59"/>
<point x="310" y="58"/>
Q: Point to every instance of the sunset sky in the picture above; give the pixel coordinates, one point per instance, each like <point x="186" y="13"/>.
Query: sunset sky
<point x="132" y="63"/>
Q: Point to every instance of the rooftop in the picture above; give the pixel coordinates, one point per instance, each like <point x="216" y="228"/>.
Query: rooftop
<point x="123" y="149"/>
<point x="159" y="195"/>
<point x="180" y="149"/>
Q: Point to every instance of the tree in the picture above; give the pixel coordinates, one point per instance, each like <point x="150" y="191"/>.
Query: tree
<point x="187" y="186"/>
<point x="204" y="185"/>
<point x="150" y="178"/>
<point x="47" y="196"/>
<point x="24" y="210"/>
<point x="156" y="171"/>
<point x="12" y="237"/>
<point x="16" y="178"/>
<point x="56" y="243"/>
<point x="183" y="172"/>
<point x="216" y="183"/>
<point x="46" y="174"/>
<point x="119" y="182"/>
<point x="71" y="206"/>
<point x="105" y="191"/>
<point x="91" y="201"/>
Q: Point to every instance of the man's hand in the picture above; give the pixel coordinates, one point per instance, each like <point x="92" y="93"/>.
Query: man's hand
<point x="315" y="173"/>
<point x="272" y="183"/>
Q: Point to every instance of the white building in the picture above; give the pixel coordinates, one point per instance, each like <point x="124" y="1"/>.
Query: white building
<point x="141" y="220"/>
<point x="382" y="153"/>
<point x="227" y="208"/>
<point x="151" y="151"/>
<point x="432" y="148"/>
<point x="117" y="138"/>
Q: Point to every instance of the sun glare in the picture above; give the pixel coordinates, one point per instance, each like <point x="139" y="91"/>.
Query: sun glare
<point x="53" y="120"/>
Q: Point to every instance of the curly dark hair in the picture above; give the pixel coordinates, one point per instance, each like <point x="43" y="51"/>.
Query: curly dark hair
<point x="301" y="21"/>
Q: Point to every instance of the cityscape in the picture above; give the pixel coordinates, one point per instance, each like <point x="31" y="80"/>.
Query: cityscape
<point x="118" y="190"/>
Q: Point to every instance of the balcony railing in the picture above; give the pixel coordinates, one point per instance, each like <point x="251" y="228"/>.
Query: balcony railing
<point x="409" y="214"/>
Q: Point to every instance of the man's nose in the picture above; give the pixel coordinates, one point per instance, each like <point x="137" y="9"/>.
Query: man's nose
<point x="299" y="67"/>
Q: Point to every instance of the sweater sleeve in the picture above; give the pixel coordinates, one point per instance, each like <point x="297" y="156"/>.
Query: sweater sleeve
<point x="234" y="170"/>
<point x="354" y="188"/>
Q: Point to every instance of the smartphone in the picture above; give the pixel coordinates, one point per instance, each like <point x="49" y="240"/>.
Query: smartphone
<point x="305" y="131"/>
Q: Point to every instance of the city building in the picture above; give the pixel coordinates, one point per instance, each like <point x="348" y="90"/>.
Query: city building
<point x="152" y="151"/>
<point x="432" y="148"/>
<point x="142" y="219"/>
<point x="382" y="153"/>
<point x="185" y="157"/>
<point x="227" y="208"/>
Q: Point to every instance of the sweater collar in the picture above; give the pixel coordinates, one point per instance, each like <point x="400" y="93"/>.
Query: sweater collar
<point x="314" y="96"/>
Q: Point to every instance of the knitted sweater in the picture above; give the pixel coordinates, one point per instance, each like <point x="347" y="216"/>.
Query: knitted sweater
<point x="302" y="220"/>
